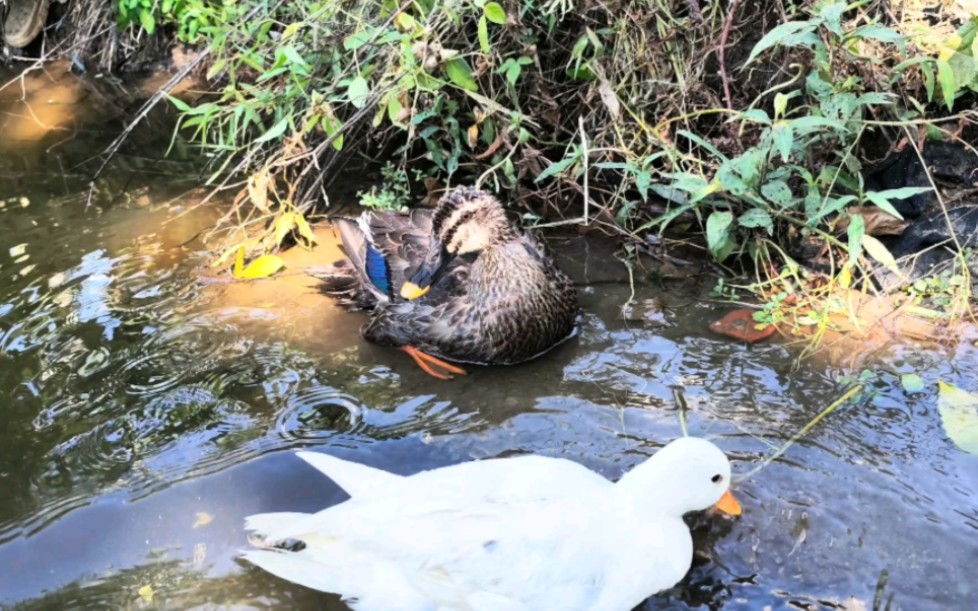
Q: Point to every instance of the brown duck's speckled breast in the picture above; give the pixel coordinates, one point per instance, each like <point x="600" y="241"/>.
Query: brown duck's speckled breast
<point x="528" y="308"/>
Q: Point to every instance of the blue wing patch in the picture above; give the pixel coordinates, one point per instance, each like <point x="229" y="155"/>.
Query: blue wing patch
<point x="377" y="270"/>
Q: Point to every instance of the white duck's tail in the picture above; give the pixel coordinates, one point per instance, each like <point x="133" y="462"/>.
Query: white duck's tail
<point x="356" y="479"/>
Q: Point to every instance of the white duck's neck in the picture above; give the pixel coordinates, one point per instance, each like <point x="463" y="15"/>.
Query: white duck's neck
<point x="655" y="486"/>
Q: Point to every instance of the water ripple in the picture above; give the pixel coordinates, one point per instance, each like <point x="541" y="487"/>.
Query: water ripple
<point x="318" y="412"/>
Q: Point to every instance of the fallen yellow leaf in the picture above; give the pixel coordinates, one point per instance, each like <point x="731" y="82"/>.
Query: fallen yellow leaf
<point x="203" y="519"/>
<point x="146" y="593"/>
<point x="262" y="267"/>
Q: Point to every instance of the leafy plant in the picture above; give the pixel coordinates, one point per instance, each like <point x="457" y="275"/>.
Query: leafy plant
<point x="940" y="290"/>
<point x="785" y="176"/>
<point x="392" y="195"/>
<point x="189" y="16"/>
<point x="528" y="97"/>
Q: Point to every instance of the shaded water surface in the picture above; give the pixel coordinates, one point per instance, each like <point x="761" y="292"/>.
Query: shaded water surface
<point x="146" y="412"/>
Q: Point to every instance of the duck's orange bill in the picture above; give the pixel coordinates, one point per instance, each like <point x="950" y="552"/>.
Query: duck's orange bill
<point x="728" y="504"/>
<point x="410" y="291"/>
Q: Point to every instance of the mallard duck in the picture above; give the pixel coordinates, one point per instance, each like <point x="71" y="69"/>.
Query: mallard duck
<point x="525" y="532"/>
<point x="457" y="283"/>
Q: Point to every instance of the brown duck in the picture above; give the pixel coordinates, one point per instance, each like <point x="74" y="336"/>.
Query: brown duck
<point x="458" y="283"/>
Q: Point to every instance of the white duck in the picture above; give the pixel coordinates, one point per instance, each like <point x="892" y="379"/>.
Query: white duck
<point x="522" y="533"/>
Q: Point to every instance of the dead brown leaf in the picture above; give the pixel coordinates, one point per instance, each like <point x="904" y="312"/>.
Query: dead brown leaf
<point x="876" y="220"/>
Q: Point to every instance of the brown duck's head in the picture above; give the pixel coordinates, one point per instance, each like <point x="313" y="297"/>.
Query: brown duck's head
<point x="467" y="220"/>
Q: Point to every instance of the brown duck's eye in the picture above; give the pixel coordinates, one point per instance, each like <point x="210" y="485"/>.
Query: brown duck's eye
<point x="716" y="479"/>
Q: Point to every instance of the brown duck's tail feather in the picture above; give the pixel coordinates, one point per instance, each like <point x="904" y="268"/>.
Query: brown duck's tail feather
<point x="349" y="279"/>
<point x="357" y="246"/>
<point x="342" y="282"/>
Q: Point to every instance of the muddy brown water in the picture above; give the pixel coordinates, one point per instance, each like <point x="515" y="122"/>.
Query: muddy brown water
<point x="145" y="413"/>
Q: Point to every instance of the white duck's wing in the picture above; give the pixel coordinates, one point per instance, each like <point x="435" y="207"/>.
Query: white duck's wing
<point x="429" y="494"/>
<point x="535" y="554"/>
<point x="516" y="478"/>
<point x="512" y="479"/>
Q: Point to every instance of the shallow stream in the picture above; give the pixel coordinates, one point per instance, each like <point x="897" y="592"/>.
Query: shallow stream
<point x="145" y="412"/>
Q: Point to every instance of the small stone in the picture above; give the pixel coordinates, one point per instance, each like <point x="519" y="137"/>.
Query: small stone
<point x="646" y="311"/>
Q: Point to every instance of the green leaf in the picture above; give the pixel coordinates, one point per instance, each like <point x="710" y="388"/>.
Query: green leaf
<point x="147" y="20"/>
<point x="945" y="76"/>
<point x="875" y="98"/>
<point x="749" y="165"/>
<point x="512" y="70"/>
<point x="756" y="115"/>
<point x="780" y="105"/>
<point x="784" y="138"/>
<point x="216" y="68"/>
<point x="777" y="192"/>
<point x="294" y="57"/>
<point x="494" y="12"/>
<point x="275" y="132"/>
<point x="930" y="83"/>
<point x="882" y="198"/>
<point x="856" y="232"/>
<point x="484" y="35"/>
<point x="702" y="142"/>
<point x="643" y="180"/>
<point x="357" y="92"/>
<point x="357" y="39"/>
<point x="912" y="382"/>
<point x="832" y="205"/>
<point x="180" y="104"/>
<point x="394" y="108"/>
<point x="329" y="125"/>
<point x="831" y="13"/>
<point x="756" y="217"/>
<point x="291" y="29"/>
<point x="778" y="36"/>
<point x="461" y="74"/>
<point x="959" y="415"/>
<point x="878" y="32"/>
<point x="804" y="125"/>
<point x="558" y="167"/>
<point x="718" y="229"/>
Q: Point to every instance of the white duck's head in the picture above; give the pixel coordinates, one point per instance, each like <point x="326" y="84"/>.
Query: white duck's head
<point x="688" y="474"/>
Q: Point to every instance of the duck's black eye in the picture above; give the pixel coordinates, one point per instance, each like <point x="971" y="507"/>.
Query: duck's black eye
<point x="716" y="479"/>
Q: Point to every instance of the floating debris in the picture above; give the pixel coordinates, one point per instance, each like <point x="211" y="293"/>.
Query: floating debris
<point x="740" y="324"/>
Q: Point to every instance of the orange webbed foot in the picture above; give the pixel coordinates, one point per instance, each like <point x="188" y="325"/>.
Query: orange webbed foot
<point x="431" y="365"/>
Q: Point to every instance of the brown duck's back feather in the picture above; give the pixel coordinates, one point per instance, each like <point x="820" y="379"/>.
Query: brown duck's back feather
<point x="515" y="305"/>
<point x="403" y="239"/>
